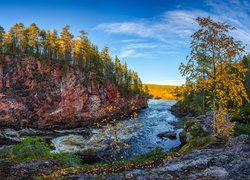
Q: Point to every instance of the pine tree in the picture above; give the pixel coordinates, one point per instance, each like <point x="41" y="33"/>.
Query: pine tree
<point x="65" y="44"/>
<point x="52" y="45"/>
<point x="109" y="68"/>
<point x="117" y="70"/>
<point x="18" y="38"/>
<point x="2" y="32"/>
<point x="42" y="40"/>
<point x="33" y="38"/>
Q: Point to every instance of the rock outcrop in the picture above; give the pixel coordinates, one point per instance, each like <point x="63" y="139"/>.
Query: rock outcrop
<point x="181" y="111"/>
<point x="229" y="160"/>
<point x="46" y="97"/>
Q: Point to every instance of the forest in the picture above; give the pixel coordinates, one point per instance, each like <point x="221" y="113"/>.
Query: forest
<point x="167" y="92"/>
<point x="51" y="47"/>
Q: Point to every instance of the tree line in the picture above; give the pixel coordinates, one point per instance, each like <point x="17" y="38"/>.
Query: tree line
<point x="67" y="51"/>
<point x="217" y="74"/>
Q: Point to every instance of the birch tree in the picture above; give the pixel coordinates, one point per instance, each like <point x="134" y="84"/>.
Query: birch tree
<point x="214" y="66"/>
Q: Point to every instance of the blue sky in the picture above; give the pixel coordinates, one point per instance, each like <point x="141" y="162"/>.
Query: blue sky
<point x="152" y="36"/>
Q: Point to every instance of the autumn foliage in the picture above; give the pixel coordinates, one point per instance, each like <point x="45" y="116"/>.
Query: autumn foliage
<point x="215" y="71"/>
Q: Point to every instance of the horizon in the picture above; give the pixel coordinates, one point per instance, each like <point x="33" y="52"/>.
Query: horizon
<point x="152" y="37"/>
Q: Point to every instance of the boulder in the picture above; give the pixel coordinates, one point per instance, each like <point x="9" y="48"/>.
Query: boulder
<point x="9" y="136"/>
<point x="167" y="134"/>
<point x="216" y="172"/>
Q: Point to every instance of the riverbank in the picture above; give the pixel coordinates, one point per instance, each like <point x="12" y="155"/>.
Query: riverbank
<point x="218" y="160"/>
<point x="140" y="132"/>
<point x="202" y="157"/>
<point x="94" y="144"/>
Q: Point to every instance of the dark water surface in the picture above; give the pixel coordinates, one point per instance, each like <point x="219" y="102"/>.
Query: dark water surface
<point x="154" y="119"/>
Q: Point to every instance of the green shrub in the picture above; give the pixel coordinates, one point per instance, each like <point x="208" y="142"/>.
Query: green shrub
<point x="196" y="143"/>
<point x="189" y="124"/>
<point x="242" y="129"/>
<point x="242" y="114"/>
<point x="245" y="110"/>
<point x="31" y="148"/>
<point x="5" y="153"/>
<point x="195" y="129"/>
<point x="199" y="142"/>
<point x="153" y="154"/>
<point x="69" y="159"/>
<point x="37" y="148"/>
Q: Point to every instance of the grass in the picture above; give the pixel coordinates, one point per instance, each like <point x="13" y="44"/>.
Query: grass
<point x="151" y="159"/>
<point x="161" y="91"/>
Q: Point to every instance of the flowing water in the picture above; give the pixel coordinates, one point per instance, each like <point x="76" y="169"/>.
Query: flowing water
<point x="139" y="133"/>
<point x="155" y="119"/>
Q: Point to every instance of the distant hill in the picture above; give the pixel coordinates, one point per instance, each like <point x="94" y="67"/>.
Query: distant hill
<point x="161" y="91"/>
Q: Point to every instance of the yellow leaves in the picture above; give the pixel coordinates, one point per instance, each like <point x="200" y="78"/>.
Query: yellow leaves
<point x="98" y="125"/>
<point x="224" y="128"/>
<point x="162" y="91"/>
<point x="126" y="145"/>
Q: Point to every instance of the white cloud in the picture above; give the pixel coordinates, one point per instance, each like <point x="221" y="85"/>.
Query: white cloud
<point x="141" y="45"/>
<point x="180" y="24"/>
<point x="172" y="24"/>
<point x="129" y="53"/>
<point x="132" y="28"/>
<point x="132" y="40"/>
<point x="170" y="32"/>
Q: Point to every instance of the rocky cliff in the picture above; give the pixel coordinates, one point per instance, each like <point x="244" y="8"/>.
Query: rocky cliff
<point x="46" y="97"/>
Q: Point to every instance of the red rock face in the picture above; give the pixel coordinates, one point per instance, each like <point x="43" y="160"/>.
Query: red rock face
<point x="45" y="97"/>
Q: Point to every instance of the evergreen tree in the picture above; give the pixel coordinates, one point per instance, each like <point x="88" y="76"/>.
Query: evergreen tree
<point x="33" y="38"/>
<point x="51" y="44"/>
<point x="42" y="42"/>
<point x="2" y="32"/>
<point x="65" y="43"/>
<point x="108" y="64"/>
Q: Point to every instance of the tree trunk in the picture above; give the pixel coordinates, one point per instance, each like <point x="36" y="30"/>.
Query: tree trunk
<point x="203" y="102"/>
<point x="214" y="112"/>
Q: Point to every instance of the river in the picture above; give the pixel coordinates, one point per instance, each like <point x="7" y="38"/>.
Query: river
<point x="140" y="135"/>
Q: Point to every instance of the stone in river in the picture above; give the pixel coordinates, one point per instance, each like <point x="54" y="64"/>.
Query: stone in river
<point x="167" y="134"/>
